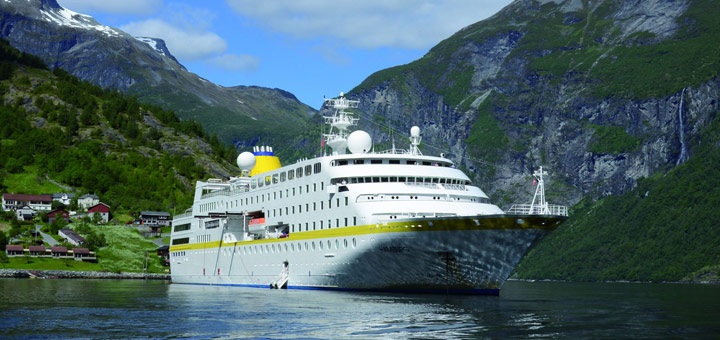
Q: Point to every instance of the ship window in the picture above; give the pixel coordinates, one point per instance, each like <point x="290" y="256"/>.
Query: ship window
<point x="337" y="204"/>
<point x="337" y="244"/>
<point x="376" y="161"/>
<point x="260" y="183"/>
<point x="354" y="180"/>
<point x="293" y="191"/>
<point x="313" y="245"/>
<point x="274" y="195"/>
<point x="314" y="206"/>
<point x="383" y="179"/>
<point x="308" y="170"/>
<point x="306" y="246"/>
<point x="368" y="179"/>
<point x="290" y="175"/>
<point x="329" y="224"/>
<point x="342" y="162"/>
<point x="346" y="202"/>
<point x="321" y="245"/>
<point x="292" y="246"/>
<point x="322" y="185"/>
<point x="307" y="206"/>
<point x="253" y="184"/>
<point x="376" y="179"/>
<point x="346" y="222"/>
<point x="182" y="227"/>
<point x="442" y="181"/>
<point x="314" y="186"/>
<point x="307" y="188"/>
<point x="354" y="220"/>
<point x="267" y="180"/>
<point x="182" y="240"/>
<point x="300" y="190"/>
<point x="316" y="168"/>
<point x="410" y="162"/>
<point x="359" y="161"/>
<point x="345" y="243"/>
<point x="280" y="193"/>
<point x="300" y="209"/>
<point x="354" y="243"/>
<point x="286" y="210"/>
<point x="321" y="205"/>
<point x="283" y="175"/>
<point x="275" y="178"/>
<point x="273" y="248"/>
<point x="394" y="161"/>
<point x="212" y="224"/>
<point x="298" y="172"/>
<point x="322" y="224"/>
<point x="426" y="163"/>
<point x="401" y="179"/>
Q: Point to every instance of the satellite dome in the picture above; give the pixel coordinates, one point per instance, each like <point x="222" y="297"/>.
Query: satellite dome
<point x="359" y="142"/>
<point x="415" y="131"/>
<point x="246" y="161"/>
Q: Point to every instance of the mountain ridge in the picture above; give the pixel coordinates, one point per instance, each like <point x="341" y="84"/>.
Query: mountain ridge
<point x="111" y="58"/>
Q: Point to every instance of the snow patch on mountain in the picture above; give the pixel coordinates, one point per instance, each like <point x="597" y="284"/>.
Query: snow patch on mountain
<point x="66" y="17"/>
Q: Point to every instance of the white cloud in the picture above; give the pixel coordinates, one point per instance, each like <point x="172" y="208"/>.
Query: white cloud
<point x="413" y="24"/>
<point x="185" y="43"/>
<point x="137" y="7"/>
<point x="235" y="62"/>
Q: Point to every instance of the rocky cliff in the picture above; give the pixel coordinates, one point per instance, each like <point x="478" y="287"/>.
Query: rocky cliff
<point x="602" y="93"/>
<point x="144" y="67"/>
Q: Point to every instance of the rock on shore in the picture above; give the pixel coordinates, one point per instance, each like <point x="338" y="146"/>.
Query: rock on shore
<point x="67" y="274"/>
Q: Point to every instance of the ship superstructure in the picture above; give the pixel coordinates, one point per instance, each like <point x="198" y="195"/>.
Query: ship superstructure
<point x="362" y="220"/>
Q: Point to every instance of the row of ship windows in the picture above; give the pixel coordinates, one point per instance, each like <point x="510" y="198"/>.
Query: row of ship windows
<point x="205" y="207"/>
<point x="342" y="162"/>
<point x="291" y="210"/>
<point x="401" y="179"/>
<point x="294" y="246"/>
<point x="321" y="224"/>
<point x="286" y="175"/>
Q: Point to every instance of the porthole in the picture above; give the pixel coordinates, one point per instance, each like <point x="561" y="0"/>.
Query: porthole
<point x="337" y="244"/>
<point x="273" y="248"/>
<point x="306" y="246"/>
<point x="292" y="247"/>
<point x="321" y="245"/>
<point x="286" y="247"/>
<point x="329" y="244"/>
<point x="354" y="243"/>
<point x="345" y="243"/>
<point x="313" y="245"/>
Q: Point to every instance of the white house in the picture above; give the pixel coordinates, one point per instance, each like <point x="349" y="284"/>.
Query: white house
<point x="63" y="198"/>
<point x="71" y="236"/>
<point x="87" y="201"/>
<point x="13" y="202"/>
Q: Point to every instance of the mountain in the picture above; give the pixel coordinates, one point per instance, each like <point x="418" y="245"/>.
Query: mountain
<point x="591" y="90"/>
<point x="145" y="68"/>
<point x="617" y="99"/>
<point x="59" y="129"/>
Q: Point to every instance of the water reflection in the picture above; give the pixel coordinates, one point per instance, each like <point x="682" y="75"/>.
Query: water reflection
<point x="138" y="309"/>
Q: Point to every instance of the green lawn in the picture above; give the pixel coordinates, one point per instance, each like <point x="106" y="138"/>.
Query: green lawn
<point x="29" y="183"/>
<point x="48" y="264"/>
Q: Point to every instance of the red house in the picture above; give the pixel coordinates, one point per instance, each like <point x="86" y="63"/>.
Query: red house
<point x="102" y="209"/>
<point x="58" y="213"/>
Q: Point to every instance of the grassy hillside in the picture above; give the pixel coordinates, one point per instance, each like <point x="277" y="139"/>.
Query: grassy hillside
<point x="664" y="230"/>
<point x="134" y="156"/>
<point x="124" y="252"/>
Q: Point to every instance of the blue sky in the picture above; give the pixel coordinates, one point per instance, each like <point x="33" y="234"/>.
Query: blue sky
<point x="312" y="48"/>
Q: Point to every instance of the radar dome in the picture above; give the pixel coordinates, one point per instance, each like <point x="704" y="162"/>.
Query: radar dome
<point x="246" y="161"/>
<point x="415" y="131"/>
<point x="359" y="142"/>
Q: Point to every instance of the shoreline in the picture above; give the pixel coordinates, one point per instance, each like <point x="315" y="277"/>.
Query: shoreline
<point x="707" y="282"/>
<point x="70" y="274"/>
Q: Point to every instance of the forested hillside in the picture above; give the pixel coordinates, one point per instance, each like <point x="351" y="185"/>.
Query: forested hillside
<point x="134" y="156"/>
<point x="666" y="229"/>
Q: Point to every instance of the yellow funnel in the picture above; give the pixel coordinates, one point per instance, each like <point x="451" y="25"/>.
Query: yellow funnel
<point x="265" y="160"/>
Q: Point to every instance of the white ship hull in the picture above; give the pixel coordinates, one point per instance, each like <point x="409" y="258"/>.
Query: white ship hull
<point x="458" y="255"/>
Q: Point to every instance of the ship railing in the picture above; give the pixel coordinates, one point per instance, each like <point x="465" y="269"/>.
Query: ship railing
<point x="422" y="184"/>
<point x="223" y="192"/>
<point x="450" y="186"/>
<point x="187" y="214"/>
<point x="529" y="209"/>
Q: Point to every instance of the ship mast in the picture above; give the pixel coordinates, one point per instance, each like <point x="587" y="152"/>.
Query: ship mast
<point x="339" y="122"/>
<point x="541" y="207"/>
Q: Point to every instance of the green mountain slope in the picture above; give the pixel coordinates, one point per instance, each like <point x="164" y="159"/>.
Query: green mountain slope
<point x="609" y="96"/>
<point x="663" y="230"/>
<point x="134" y="156"/>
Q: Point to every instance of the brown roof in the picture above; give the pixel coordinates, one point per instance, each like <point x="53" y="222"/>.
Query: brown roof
<point x="100" y="207"/>
<point x="36" y="248"/>
<point x="58" y="211"/>
<point x="58" y="249"/>
<point x="80" y="251"/>
<point x="26" y="197"/>
<point x="14" y="247"/>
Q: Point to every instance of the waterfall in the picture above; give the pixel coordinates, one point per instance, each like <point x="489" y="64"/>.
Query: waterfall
<point x="683" y="148"/>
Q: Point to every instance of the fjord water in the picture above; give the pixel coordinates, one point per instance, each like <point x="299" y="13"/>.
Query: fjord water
<point x="111" y="309"/>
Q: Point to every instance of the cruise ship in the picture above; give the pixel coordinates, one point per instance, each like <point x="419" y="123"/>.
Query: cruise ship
<point x="354" y="219"/>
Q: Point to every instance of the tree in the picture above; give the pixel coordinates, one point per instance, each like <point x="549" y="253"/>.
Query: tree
<point x="96" y="218"/>
<point x="3" y="240"/>
<point x="95" y="240"/>
<point x="57" y="224"/>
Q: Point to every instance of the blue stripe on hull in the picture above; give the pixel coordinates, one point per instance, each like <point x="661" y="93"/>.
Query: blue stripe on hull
<point x="470" y="291"/>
